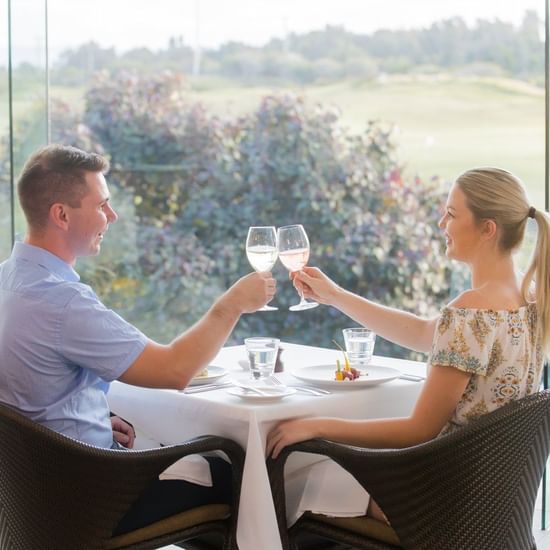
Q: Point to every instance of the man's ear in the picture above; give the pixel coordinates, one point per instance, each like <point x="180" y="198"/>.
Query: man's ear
<point x="489" y="228"/>
<point x="59" y="215"/>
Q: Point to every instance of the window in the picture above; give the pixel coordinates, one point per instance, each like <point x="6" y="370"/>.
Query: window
<point x="346" y="118"/>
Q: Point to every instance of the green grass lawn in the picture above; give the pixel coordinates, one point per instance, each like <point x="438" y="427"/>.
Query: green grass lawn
<point x="445" y="124"/>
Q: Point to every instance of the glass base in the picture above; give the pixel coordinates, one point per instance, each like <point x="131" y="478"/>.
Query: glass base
<point x="303" y="305"/>
<point x="268" y="308"/>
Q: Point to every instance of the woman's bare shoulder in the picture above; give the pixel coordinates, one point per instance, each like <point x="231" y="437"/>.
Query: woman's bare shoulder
<point x="488" y="298"/>
<point x="469" y="299"/>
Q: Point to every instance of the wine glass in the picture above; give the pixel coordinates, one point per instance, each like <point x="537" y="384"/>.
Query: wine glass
<point x="261" y="251"/>
<point x="294" y="254"/>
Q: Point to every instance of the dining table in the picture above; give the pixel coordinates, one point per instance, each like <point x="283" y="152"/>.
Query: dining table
<point x="165" y="416"/>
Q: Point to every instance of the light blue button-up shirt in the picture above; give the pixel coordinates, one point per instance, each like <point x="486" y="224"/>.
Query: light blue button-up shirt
<point x="59" y="346"/>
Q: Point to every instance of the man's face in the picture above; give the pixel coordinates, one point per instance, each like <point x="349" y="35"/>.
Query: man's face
<point x="90" y="221"/>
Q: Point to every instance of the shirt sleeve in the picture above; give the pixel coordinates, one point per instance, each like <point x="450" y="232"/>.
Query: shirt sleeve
<point x="456" y="343"/>
<point x="96" y="338"/>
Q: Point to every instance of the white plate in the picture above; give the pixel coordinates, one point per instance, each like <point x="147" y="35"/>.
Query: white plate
<point x="213" y="374"/>
<point x="274" y="393"/>
<point x="323" y="375"/>
<point x="244" y="364"/>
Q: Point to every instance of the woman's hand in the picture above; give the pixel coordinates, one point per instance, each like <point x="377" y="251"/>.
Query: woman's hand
<point x="123" y="433"/>
<point x="314" y="284"/>
<point x="292" y="431"/>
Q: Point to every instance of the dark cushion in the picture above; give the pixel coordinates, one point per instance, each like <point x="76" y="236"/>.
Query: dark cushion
<point x="177" y="522"/>
<point x="361" y="525"/>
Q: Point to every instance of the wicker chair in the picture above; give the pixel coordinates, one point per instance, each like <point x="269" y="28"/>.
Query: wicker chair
<point x="472" y="489"/>
<point x="60" y="494"/>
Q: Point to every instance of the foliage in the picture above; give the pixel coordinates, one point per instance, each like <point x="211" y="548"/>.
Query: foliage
<point x="287" y="162"/>
<point x="330" y="54"/>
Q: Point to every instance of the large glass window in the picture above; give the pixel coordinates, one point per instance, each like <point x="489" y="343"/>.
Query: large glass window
<point x="5" y="184"/>
<point x="29" y="108"/>
<point x="347" y="117"/>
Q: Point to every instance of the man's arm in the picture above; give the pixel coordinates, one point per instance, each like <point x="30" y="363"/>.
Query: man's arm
<point x="173" y="365"/>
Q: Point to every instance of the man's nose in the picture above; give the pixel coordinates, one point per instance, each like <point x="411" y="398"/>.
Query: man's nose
<point x="112" y="215"/>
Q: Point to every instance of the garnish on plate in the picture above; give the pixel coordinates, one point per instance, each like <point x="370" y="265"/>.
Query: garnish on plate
<point x="202" y="374"/>
<point x="348" y="372"/>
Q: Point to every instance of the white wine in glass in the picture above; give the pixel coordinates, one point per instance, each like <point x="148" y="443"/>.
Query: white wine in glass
<point x="294" y="254"/>
<point x="261" y="251"/>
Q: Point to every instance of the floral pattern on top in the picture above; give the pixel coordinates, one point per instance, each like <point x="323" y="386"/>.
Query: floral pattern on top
<point x="500" y="349"/>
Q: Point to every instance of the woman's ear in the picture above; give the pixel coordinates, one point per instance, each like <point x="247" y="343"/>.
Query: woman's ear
<point x="59" y="215"/>
<point x="489" y="228"/>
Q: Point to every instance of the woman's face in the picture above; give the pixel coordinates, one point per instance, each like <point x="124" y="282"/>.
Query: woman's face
<point x="462" y="234"/>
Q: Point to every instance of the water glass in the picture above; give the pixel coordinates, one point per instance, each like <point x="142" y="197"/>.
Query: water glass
<point x="359" y="346"/>
<point x="262" y="354"/>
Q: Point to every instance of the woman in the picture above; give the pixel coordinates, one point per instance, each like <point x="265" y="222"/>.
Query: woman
<point x="486" y="347"/>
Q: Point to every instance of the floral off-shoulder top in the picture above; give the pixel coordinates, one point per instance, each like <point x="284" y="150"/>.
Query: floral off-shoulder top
<point x="501" y="350"/>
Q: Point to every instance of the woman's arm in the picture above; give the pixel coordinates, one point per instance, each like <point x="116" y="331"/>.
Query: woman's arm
<point x="435" y="405"/>
<point x="398" y="326"/>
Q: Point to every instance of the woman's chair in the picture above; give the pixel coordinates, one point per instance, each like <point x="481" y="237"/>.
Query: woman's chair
<point x="60" y="494"/>
<point x="474" y="488"/>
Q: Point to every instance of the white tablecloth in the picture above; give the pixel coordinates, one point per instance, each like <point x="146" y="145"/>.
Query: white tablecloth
<point x="170" y="417"/>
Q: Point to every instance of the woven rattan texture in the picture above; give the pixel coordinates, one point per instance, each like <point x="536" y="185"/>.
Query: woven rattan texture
<point x="60" y="494"/>
<point x="472" y="489"/>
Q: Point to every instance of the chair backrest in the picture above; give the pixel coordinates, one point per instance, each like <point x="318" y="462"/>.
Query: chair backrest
<point x="58" y="493"/>
<point x="474" y="488"/>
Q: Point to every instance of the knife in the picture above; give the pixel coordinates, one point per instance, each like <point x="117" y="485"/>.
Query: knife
<point x="206" y="387"/>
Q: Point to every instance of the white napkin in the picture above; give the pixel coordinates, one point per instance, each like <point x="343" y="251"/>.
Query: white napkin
<point x="324" y="488"/>
<point x="193" y="468"/>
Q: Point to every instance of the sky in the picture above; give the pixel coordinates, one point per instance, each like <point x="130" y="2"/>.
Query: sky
<point x="126" y="24"/>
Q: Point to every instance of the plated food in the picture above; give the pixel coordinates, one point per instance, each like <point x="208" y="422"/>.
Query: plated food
<point x="324" y="375"/>
<point x="207" y="375"/>
<point x="347" y="372"/>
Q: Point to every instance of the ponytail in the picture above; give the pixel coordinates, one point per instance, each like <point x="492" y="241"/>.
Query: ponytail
<point x="539" y="273"/>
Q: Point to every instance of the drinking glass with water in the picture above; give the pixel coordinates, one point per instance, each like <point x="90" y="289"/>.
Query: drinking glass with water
<point x="262" y="354"/>
<point x="359" y="346"/>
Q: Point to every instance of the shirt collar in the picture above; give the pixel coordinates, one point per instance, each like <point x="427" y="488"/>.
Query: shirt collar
<point x="46" y="259"/>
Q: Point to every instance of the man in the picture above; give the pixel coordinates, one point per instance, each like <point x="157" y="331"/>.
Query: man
<point x="59" y="345"/>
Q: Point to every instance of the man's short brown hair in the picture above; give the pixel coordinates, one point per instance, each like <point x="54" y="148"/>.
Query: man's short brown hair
<point x="55" y="173"/>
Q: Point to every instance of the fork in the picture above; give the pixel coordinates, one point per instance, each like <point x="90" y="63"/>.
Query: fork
<point x="310" y="391"/>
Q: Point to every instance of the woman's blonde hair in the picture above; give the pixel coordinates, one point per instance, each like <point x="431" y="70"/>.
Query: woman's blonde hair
<point x="497" y="194"/>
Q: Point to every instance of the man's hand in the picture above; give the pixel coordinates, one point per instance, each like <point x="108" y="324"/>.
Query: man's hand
<point x="251" y="292"/>
<point x="123" y="433"/>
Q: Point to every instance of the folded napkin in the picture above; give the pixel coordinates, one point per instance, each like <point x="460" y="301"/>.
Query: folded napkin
<point x="193" y="468"/>
<point x="324" y="488"/>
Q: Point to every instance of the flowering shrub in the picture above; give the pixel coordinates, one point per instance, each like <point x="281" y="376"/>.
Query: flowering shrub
<point x="193" y="183"/>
